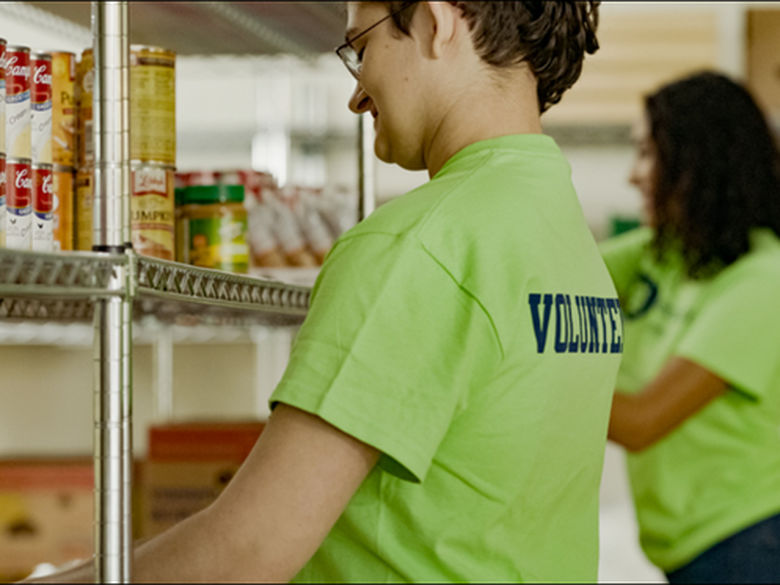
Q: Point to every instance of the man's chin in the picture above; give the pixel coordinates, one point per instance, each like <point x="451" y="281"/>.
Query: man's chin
<point x="386" y="156"/>
<point x="383" y="155"/>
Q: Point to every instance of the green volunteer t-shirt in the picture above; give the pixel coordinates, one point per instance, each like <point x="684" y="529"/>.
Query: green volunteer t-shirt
<point x="719" y="471"/>
<point x="468" y="330"/>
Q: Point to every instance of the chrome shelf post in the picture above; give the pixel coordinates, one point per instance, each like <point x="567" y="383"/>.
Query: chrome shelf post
<point x="113" y="447"/>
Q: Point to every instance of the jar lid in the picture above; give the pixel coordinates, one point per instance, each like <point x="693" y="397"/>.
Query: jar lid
<point x="213" y="194"/>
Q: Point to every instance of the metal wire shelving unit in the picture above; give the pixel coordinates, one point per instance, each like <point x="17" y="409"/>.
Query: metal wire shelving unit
<point x="114" y="287"/>
<point x="64" y="286"/>
<point x="74" y="287"/>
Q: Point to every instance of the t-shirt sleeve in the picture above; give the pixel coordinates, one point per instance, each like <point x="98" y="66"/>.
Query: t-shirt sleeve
<point x="622" y="254"/>
<point x="736" y="334"/>
<point x="388" y="350"/>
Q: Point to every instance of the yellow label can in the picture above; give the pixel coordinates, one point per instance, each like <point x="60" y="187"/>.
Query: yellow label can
<point x="63" y="101"/>
<point x="152" y="104"/>
<point x="152" y="209"/>
<point x="85" y="194"/>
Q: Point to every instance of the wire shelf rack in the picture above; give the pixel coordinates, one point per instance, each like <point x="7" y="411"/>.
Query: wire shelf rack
<point x="63" y="286"/>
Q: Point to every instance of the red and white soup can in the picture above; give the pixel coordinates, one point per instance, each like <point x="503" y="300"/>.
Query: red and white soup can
<point x="17" y="102"/>
<point x="42" y="237"/>
<point x="2" y="199"/>
<point x="18" y="199"/>
<point x="2" y="97"/>
<point x="40" y="105"/>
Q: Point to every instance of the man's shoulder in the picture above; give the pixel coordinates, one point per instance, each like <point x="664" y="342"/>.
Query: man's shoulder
<point x="402" y="215"/>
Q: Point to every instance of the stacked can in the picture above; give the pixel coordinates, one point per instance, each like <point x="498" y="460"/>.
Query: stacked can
<point x="152" y="151"/>
<point x="85" y="154"/>
<point x="85" y="81"/>
<point x="42" y="229"/>
<point x="63" y="146"/>
<point x="18" y="148"/>
<point x="2" y="143"/>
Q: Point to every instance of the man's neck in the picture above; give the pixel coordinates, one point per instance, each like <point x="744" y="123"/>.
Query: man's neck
<point x="480" y="115"/>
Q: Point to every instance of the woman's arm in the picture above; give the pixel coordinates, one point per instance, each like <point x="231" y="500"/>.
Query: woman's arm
<point x="680" y="390"/>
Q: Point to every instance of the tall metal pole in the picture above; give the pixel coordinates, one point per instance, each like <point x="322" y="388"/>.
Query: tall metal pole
<point x="366" y="179"/>
<point x="127" y="300"/>
<point x="112" y="364"/>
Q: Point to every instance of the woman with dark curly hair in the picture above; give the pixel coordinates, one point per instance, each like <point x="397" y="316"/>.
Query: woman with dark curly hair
<point x="698" y="399"/>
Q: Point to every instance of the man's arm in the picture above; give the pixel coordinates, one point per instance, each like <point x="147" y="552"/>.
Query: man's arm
<point x="272" y="516"/>
<point x="680" y="390"/>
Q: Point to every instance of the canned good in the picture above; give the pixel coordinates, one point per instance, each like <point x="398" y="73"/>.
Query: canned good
<point x="63" y="108"/>
<point x="42" y="237"/>
<point x="151" y="210"/>
<point x="2" y="98"/>
<point x="62" y="207"/>
<point x="2" y="199"/>
<point x="85" y="81"/>
<point x="152" y="104"/>
<point x="17" y="101"/>
<point x="84" y="199"/>
<point x="19" y="186"/>
<point x="40" y="104"/>
<point x="212" y="227"/>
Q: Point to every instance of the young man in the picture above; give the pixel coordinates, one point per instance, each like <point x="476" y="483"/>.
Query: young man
<point x="444" y="413"/>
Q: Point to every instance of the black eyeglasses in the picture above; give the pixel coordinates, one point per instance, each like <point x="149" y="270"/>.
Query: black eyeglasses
<point x="349" y="55"/>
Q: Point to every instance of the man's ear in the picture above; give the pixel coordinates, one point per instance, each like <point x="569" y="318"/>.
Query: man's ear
<point x="444" y="17"/>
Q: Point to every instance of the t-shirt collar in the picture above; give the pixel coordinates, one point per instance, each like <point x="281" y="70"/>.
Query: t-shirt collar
<point x="535" y="143"/>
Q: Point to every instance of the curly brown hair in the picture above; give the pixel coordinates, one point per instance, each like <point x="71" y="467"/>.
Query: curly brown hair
<point x="551" y="36"/>
<point x="717" y="170"/>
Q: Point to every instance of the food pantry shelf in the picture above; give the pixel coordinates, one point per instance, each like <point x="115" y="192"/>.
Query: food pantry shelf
<point x="189" y="295"/>
<point x="61" y="287"/>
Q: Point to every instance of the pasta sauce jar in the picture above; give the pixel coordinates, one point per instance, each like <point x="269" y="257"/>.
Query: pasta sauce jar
<point x="212" y="227"/>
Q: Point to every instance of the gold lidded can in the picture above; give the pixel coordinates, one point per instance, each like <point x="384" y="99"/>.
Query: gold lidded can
<point x="64" y="108"/>
<point x="84" y="197"/>
<point x="85" y="81"/>
<point x="152" y="104"/>
<point x="152" y="210"/>
<point x="64" y="191"/>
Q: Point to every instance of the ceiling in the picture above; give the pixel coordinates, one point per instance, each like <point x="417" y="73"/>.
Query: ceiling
<point x="235" y="28"/>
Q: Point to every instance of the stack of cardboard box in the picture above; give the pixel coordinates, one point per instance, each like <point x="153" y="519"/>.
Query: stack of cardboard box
<point x="46" y="513"/>
<point x="189" y="464"/>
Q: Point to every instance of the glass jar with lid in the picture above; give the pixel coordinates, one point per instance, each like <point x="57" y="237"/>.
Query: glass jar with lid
<point x="212" y="227"/>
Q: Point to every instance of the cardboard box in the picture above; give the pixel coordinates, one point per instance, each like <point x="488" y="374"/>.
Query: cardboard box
<point x="763" y="58"/>
<point x="203" y="441"/>
<point x="46" y="513"/>
<point x="189" y="465"/>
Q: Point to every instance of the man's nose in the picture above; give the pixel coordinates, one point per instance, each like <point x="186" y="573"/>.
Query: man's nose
<point x="359" y="102"/>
